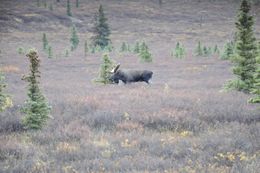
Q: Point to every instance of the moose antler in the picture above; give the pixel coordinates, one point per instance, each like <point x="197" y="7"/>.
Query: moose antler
<point x="115" y="68"/>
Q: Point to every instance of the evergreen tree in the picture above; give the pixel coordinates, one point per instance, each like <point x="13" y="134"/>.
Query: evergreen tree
<point x="229" y="51"/>
<point x="66" y="53"/>
<point x="38" y="3"/>
<point x="36" y="108"/>
<point x="45" y="4"/>
<point x="205" y="51"/>
<point x="123" y="47"/>
<point x="21" y="50"/>
<point x="144" y="54"/>
<point x="77" y="3"/>
<point x="51" y="7"/>
<point x="50" y="54"/>
<point x="5" y="100"/>
<point x="101" y="30"/>
<point x="86" y="47"/>
<point x="216" y="50"/>
<point x="44" y="41"/>
<point x="137" y="47"/>
<point x="245" y="58"/>
<point x="68" y="8"/>
<point x="199" y="50"/>
<point x="179" y="51"/>
<point x="74" y="40"/>
<point x="256" y="86"/>
<point x="105" y="69"/>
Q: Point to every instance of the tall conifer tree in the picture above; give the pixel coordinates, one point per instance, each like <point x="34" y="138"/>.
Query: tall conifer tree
<point x="101" y="30"/>
<point x="246" y="50"/>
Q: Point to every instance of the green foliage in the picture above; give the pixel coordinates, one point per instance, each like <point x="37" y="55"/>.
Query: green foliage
<point x="67" y="53"/>
<point x="86" y="48"/>
<point x="51" y="7"/>
<point x="68" y="8"/>
<point x="216" y="50"/>
<point x="229" y="51"/>
<point x="179" y="51"/>
<point x="50" y="53"/>
<point x="44" y="42"/>
<point x="124" y="47"/>
<point x="5" y="99"/>
<point x="144" y="54"/>
<point x="45" y="4"/>
<point x="137" y="47"/>
<point x="36" y="108"/>
<point x="21" y="50"/>
<point x="74" y="39"/>
<point x="77" y="3"/>
<point x="256" y="86"/>
<point x="101" y="30"/>
<point x="199" y="50"/>
<point x="246" y="49"/>
<point x="38" y="3"/>
<point x="105" y="68"/>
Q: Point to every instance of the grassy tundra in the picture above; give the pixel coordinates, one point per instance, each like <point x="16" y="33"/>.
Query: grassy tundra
<point x="182" y="123"/>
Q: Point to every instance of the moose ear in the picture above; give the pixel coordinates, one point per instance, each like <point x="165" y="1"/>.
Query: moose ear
<point x="115" y="69"/>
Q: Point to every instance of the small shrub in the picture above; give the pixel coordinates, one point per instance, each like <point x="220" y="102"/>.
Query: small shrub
<point x="50" y="7"/>
<point x="216" y="50"/>
<point x="74" y="40"/>
<point x="144" y="54"/>
<point x="5" y="99"/>
<point x="86" y="48"/>
<point x="105" y="69"/>
<point x="44" y="41"/>
<point x="229" y="50"/>
<point x="68" y="8"/>
<point x="67" y="53"/>
<point x="199" y="50"/>
<point x="124" y="47"/>
<point x="50" y="53"/>
<point x="179" y="51"/>
<point x="137" y="47"/>
<point x="21" y="50"/>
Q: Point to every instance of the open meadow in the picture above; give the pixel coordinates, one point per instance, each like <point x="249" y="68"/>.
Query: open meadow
<point x="183" y="122"/>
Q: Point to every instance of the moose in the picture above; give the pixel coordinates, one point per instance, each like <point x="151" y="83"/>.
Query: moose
<point x="129" y="76"/>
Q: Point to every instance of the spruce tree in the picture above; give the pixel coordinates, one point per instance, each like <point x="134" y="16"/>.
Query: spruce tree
<point x="199" y="50"/>
<point x="101" y="30"/>
<point x="74" y="40"/>
<point x="66" y="53"/>
<point x="179" y="51"/>
<point x="137" y="47"/>
<point x="36" y="108"/>
<point x="38" y="3"/>
<point x="105" y="69"/>
<point x="256" y="86"/>
<point x="229" y="51"/>
<point x="50" y="54"/>
<point x="44" y="41"/>
<point x="216" y="50"/>
<point x="144" y="54"/>
<point x="68" y="8"/>
<point x="123" y="47"/>
<point x="51" y="7"/>
<point x="5" y="99"/>
<point x="246" y="50"/>
<point x="86" y="47"/>
<point x="77" y="3"/>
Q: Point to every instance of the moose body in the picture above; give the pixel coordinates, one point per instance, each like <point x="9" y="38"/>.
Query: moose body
<point x="129" y="76"/>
